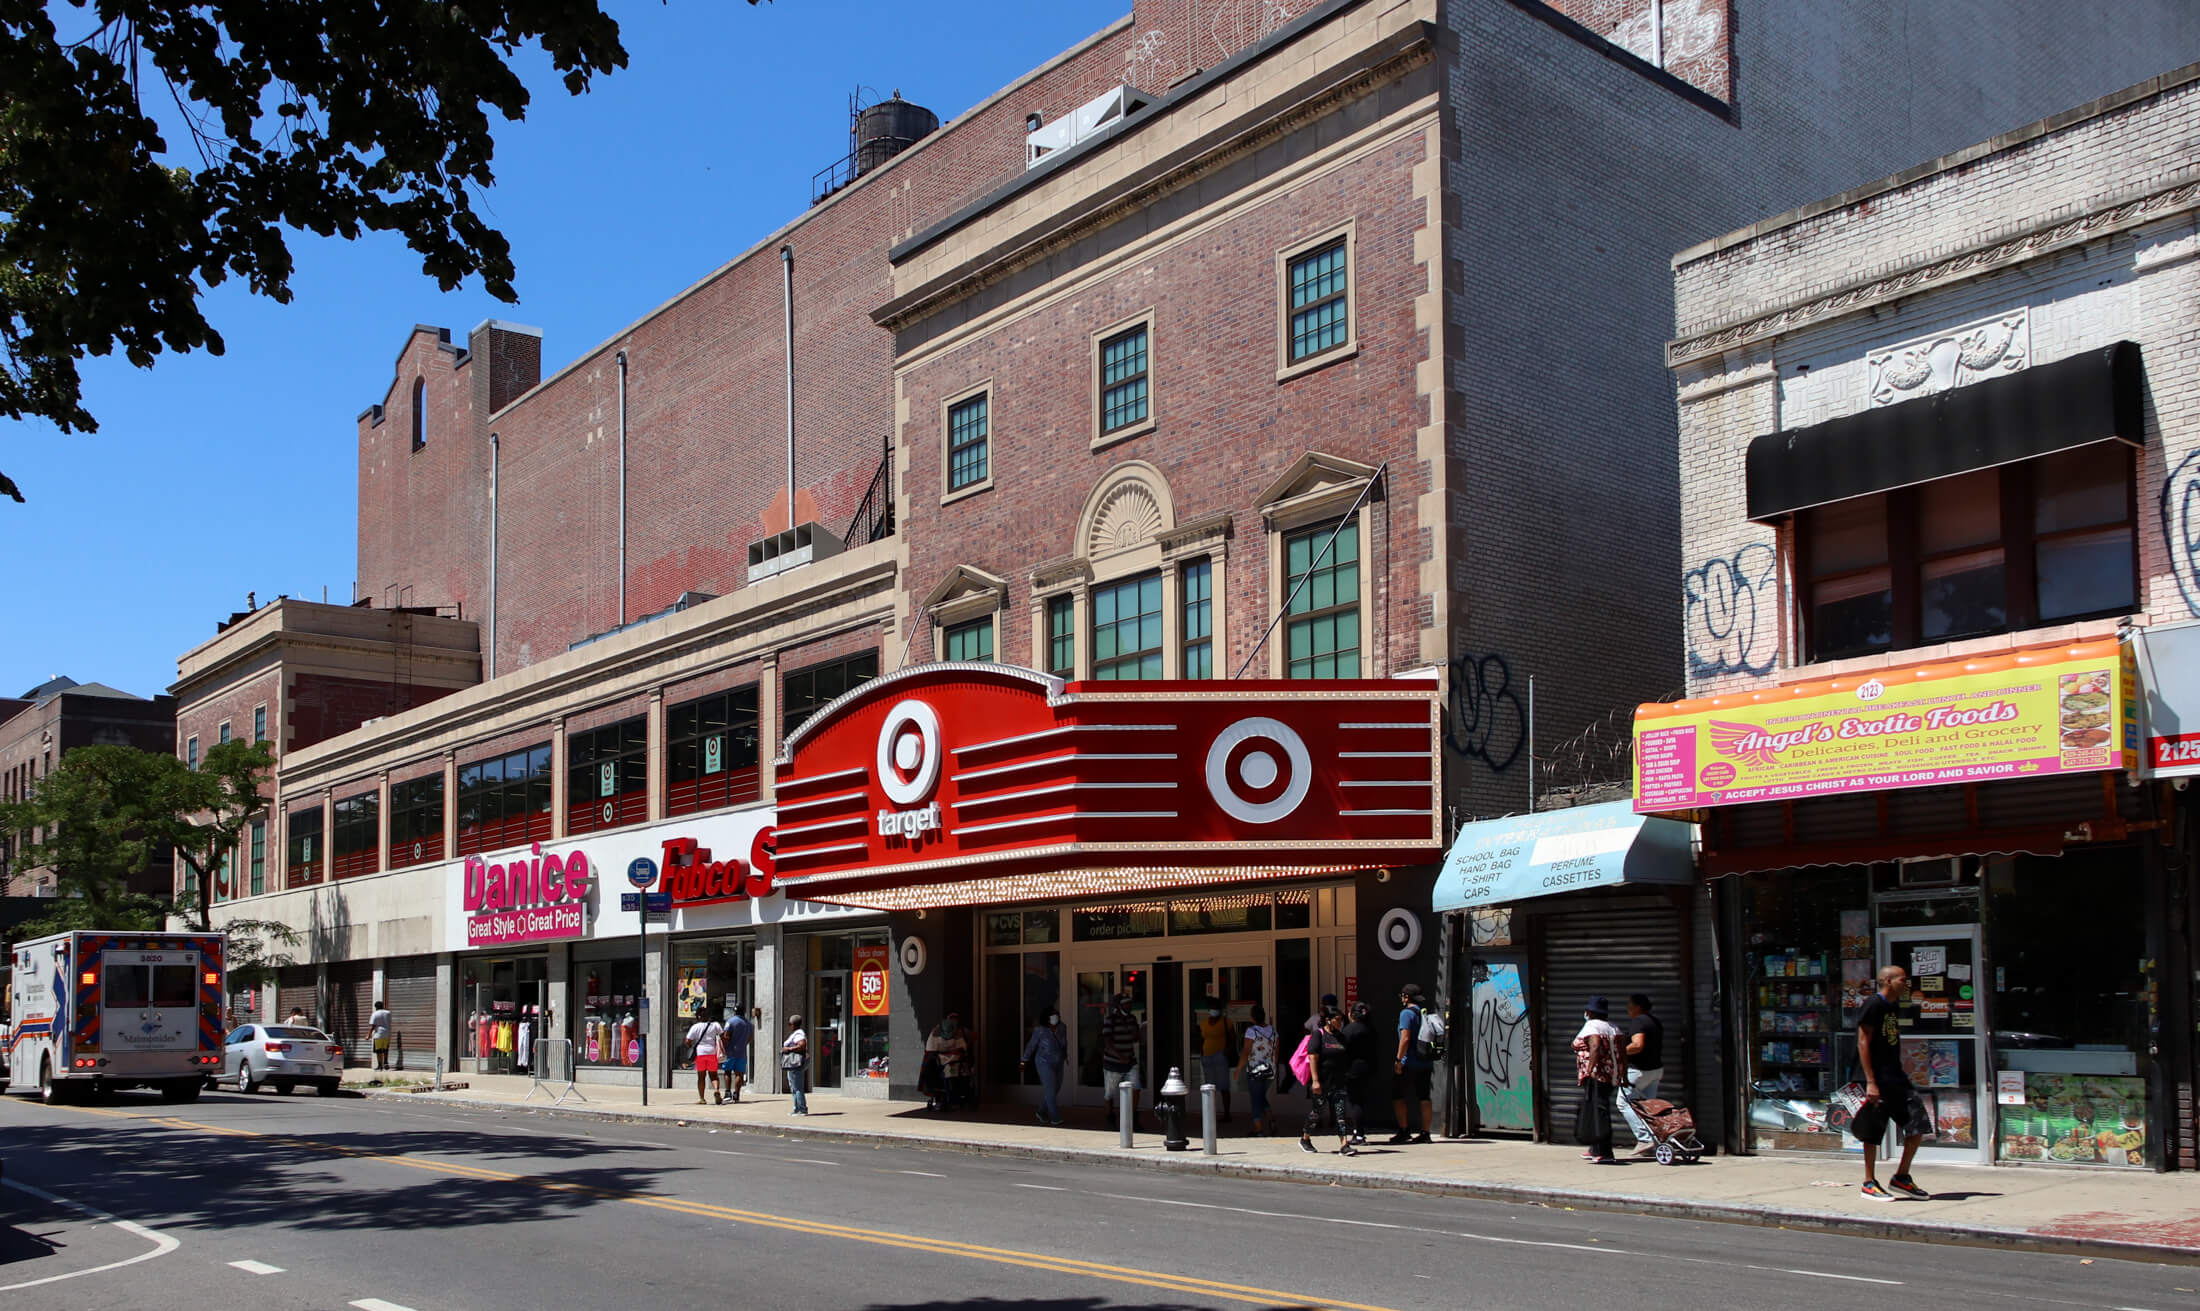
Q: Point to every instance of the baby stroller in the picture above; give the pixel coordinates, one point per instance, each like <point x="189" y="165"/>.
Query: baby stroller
<point x="1672" y="1128"/>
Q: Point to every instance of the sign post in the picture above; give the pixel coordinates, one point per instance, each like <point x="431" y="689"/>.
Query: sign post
<point x="642" y="873"/>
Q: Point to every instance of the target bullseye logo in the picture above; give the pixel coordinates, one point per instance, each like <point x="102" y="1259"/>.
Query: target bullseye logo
<point x="909" y="769"/>
<point x="1258" y="770"/>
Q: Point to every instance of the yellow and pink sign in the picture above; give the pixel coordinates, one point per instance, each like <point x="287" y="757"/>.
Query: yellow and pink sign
<point x="2020" y="714"/>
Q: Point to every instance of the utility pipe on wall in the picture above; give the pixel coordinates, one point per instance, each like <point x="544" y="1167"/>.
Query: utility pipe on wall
<point x="495" y="447"/>
<point x="622" y="489"/>
<point x="786" y="260"/>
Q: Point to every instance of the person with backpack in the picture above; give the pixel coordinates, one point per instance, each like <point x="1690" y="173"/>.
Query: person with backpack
<point x="1418" y="1033"/>
<point x="1258" y="1060"/>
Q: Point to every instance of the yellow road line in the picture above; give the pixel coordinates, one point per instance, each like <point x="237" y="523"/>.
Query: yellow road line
<point x="811" y="1228"/>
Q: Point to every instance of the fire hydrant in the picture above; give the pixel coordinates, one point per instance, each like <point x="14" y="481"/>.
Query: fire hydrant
<point x="1169" y="1105"/>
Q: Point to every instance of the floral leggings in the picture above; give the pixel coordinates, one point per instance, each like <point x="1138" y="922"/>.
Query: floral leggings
<point x="1339" y="1106"/>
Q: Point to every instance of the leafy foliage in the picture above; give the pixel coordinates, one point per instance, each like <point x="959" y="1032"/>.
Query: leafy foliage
<point x="323" y="116"/>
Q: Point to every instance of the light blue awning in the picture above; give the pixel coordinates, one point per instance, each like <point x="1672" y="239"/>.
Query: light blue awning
<point x="1505" y="860"/>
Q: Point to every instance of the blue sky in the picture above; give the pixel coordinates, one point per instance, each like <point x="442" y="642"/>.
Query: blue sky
<point x="213" y="476"/>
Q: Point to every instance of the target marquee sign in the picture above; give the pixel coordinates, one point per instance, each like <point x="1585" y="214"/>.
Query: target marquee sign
<point x="949" y="772"/>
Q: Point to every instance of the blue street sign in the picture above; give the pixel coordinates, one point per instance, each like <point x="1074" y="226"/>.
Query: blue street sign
<point x="660" y="903"/>
<point x="642" y="872"/>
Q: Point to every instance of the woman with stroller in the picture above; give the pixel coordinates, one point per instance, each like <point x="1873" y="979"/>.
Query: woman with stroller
<point x="952" y="1049"/>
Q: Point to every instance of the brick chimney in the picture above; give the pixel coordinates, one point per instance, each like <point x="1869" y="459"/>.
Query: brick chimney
<point x="512" y="354"/>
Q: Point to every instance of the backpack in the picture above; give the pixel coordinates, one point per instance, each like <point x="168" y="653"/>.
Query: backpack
<point x="1431" y="1036"/>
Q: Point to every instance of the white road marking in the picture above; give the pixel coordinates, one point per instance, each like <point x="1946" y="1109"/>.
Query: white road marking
<point x="162" y="1243"/>
<point x="377" y="1304"/>
<point x="1044" y="1188"/>
<point x="1825" y="1274"/>
<point x="806" y="1160"/>
<point x="257" y="1267"/>
<point x="922" y="1174"/>
<point x="770" y="1156"/>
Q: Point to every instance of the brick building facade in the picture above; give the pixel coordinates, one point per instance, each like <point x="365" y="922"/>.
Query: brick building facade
<point x="1939" y="428"/>
<point x="38" y="728"/>
<point x="1309" y="241"/>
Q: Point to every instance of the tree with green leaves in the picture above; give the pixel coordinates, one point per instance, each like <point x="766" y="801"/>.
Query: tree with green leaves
<point x="321" y="116"/>
<point x="108" y="817"/>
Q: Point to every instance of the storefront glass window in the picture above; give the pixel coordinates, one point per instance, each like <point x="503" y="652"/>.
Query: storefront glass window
<point x="1221" y="915"/>
<point x="1041" y="926"/>
<point x="2073" y="1000"/>
<point x="498" y="1012"/>
<point x="607" y="1027"/>
<point x="714" y="979"/>
<point x="1004" y="929"/>
<point x="1809" y="965"/>
<point x="1108" y="923"/>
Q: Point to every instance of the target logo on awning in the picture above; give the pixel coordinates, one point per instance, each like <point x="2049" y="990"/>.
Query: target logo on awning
<point x="1258" y="770"/>
<point x="909" y="769"/>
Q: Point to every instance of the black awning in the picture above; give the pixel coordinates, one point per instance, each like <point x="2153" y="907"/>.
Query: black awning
<point x="2047" y="408"/>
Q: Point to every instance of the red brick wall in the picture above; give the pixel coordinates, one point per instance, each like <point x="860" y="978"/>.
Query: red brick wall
<point x="705" y="414"/>
<point x="235" y="704"/>
<point x="1173" y="39"/>
<point x="1226" y="427"/>
<point x="323" y="705"/>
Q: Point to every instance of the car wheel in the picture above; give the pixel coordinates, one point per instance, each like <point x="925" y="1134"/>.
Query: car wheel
<point x="284" y="1087"/>
<point x="50" y="1090"/>
<point x="246" y="1084"/>
<point x="329" y="1087"/>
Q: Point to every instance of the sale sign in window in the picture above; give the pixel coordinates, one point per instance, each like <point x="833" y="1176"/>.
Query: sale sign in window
<point x="871" y="980"/>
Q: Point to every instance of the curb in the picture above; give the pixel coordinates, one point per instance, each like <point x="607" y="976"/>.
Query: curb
<point x="1911" y="1231"/>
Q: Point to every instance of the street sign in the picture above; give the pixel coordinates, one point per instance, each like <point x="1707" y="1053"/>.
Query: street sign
<point x="660" y="903"/>
<point x="642" y="872"/>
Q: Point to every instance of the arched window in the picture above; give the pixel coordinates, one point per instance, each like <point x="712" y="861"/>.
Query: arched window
<point x="420" y="413"/>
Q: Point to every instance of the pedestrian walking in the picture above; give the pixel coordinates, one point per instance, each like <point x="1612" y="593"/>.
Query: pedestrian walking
<point x="1597" y="1069"/>
<point x="705" y="1038"/>
<point x="1642" y="1040"/>
<point x="1888" y="1096"/>
<point x="378" y="1033"/>
<point x="1328" y="1066"/>
<point x="1216" y="1050"/>
<point x="1363" y="1052"/>
<point x="1122" y="1045"/>
<point x="952" y="1048"/>
<point x="1045" y="1051"/>
<point x="1257" y="1058"/>
<point x="733" y="1059"/>
<point x="794" y="1062"/>
<point x="1411" y="1070"/>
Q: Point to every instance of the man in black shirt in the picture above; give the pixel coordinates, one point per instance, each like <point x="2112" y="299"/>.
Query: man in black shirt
<point x="1642" y="1040"/>
<point x="1888" y="1096"/>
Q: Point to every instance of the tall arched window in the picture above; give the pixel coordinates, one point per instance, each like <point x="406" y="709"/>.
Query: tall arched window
<point x="420" y="413"/>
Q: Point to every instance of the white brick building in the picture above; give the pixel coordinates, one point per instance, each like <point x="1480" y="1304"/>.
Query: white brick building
<point x="1947" y="426"/>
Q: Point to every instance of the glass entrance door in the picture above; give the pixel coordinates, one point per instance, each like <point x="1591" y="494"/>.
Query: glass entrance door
<point x="1234" y="987"/>
<point x="828" y="1029"/>
<point x="1941" y="1024"/>
<point x="1094" y="988"/>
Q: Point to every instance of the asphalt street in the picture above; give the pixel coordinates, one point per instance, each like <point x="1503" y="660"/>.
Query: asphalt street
<point x="304" y="1202"/>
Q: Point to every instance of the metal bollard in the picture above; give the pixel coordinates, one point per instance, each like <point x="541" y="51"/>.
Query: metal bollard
<point x="1207" y="1097"/>
<point x="439" y="1074"/>
<point x="1123" y="1095"/>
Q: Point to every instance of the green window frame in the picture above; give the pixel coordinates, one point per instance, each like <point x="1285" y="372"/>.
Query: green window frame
<point x="1196" y="584"/>
<point x="1124" y="374"/>
<point x="971" y="641"/>
<point x="259" y="856"/>
<point x="1062" y="636"/>
<point x="969" y="444"/>
<point x="1322" y="633"/>
<point x="1126" y="628"/>
<point x="1320" y="309"/>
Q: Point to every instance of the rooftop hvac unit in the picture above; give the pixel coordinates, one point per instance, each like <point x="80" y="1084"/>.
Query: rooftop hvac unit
<point x="1089" y="119"/>
<point x="798" y="546"/>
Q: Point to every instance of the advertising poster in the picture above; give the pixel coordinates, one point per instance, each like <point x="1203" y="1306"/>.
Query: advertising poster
<point x="2092" y="1119"/>
<point x="871" y="990"/>
<point x="2028" y="714"/>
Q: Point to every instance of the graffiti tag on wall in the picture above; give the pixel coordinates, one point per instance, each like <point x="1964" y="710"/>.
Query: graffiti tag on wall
<point x="1731" y="625"/>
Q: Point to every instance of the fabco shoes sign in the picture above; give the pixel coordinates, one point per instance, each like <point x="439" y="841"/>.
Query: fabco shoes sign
<point x="952" y="773"/>
<point x="529" y="897"/>
<point x="697" y="876"/>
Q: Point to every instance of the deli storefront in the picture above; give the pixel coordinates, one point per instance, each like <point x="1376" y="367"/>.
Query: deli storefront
<point x="1039" y="845"/>
<point x="1979" y="822"/>
<point x="543" y="950"/>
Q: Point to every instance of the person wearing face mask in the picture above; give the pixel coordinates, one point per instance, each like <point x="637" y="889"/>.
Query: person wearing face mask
<point x="1045" y="1051"/>
<point x="1215" y="1051"/>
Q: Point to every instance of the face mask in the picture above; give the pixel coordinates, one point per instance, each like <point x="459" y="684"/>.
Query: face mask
<point x="1054" y="1019"/>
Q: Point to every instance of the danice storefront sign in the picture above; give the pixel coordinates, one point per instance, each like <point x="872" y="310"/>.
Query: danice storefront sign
<point x="955" y="772"/>
<point x="2019" y="714"/>
<point x="533" y="896"/>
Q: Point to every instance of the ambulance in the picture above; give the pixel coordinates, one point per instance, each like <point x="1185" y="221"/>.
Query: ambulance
<point x="91" y="1011"/>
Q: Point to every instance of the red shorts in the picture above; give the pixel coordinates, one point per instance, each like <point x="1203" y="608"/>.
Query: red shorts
<point x="706" y="1063"/>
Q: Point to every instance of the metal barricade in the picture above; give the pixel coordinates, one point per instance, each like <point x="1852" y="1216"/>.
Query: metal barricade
<point x="543" y="1059"/>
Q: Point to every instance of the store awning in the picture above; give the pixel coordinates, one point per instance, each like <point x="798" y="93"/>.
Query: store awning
<point x="2073" y="402"/>
<point x="1507" y="860"/>
<point x="2169" y="699"/>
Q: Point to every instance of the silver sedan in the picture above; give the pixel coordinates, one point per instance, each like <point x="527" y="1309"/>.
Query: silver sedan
<point x="284" y="1055"/>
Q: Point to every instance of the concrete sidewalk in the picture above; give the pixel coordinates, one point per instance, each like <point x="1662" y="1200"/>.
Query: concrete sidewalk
<point x="2137" y="1215"/>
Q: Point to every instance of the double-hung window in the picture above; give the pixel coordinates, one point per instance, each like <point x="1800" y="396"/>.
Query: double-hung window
<point x="1126" y="628"/>
<point x="969" y="448"/>
<point x="1062" y="636"/>
<point x="971" y="641"/>
<point x="1320" y="321"/>
<point x="1196" y="581"/>
<point x="1322" y="579"/>
<point x="1124" y="398"/>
